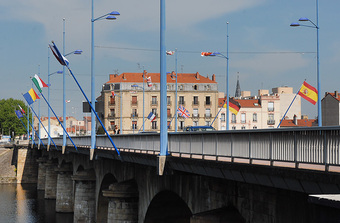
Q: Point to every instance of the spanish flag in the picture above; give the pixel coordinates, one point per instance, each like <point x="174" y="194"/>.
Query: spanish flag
<point x="309" y="93"/>
<point x="234" y="106"/>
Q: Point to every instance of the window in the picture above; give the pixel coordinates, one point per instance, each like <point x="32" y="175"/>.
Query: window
<point x="169" y="125"/>
<point x="112" y="113"/>
<point x="134" y="113"/>
<point x="181" y="125"/>
<point x="233" y="128"/>
<point x="195" y="123"/>
<point x="154" y="125"/>
<point x="243" y="127"/>
<point x="222" y="117"/>
<point x="154" y="100"/>
<point x="154" y="111"/>
<point x="207" y="100"/>
<point x="112" y="123"/>
<point x="270" y="106"/>
<point x="134" y="100"/>
<point x="207" y="123"/>
<point x="254" y="127"/>
<point x="168" y="113"/>
<point x="243" y="118"/>
<point x="195" y="100"/>
<point x="254" y="117"/>
<point x="181" y="100"/>
<point x="233" y="118"/>
<point x="195" y="112"/>
<point x="207" y="113"/>
<point x="271" y="120"/>
<point x="195" y="87"/>
<point x="134" y="124"/>
<point x="112" y="100"/>
<point x="168" y="102"/>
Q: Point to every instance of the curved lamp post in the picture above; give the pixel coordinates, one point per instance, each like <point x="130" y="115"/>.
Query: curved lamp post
<point x="316" y="26"/>
<point x="109" y="16"/>
<point x="218" y="54"/>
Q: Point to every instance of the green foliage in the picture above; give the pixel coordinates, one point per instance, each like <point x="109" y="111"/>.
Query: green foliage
<point x="9" y="122"/>
<point x="100" y="131"/>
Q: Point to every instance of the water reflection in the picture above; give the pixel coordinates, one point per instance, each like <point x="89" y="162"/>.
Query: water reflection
<point x="22" y="203"/>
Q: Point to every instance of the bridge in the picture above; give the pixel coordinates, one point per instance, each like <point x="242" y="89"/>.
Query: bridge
<point x="277" y="175"/>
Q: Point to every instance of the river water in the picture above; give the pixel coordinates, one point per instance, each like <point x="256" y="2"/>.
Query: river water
<point x="22" y="203"/>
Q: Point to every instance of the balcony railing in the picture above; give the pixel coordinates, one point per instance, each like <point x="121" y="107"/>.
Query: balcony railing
<point x="271" y="122"/>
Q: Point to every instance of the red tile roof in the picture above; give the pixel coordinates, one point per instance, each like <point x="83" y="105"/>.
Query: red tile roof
<point x="333" y="95"/>
<point x="246" y="103"/>
<point x="155" y="78"/>
<point x="300" y="123"/>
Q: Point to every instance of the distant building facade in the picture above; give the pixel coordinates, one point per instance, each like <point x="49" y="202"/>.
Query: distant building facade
<point x="330" y="106"/>
<point x="262" y="111"/>
<point x="121" y="101"/>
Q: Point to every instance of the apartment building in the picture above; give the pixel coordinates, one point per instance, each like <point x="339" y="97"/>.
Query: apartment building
<point x="127" y="99"/>
<point x="262" y="111"/>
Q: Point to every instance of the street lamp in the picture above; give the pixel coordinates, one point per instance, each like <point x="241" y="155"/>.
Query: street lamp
<point x="316" y="26"/>
<point x="109" y="16"/>
<point x="218" y="54"/>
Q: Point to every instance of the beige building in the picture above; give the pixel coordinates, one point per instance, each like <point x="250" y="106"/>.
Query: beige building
<point x="262" y="111"/>
<point x="196" y="93"/>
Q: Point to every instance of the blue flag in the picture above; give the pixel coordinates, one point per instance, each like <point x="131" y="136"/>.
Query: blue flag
<point x="18" y="113"/>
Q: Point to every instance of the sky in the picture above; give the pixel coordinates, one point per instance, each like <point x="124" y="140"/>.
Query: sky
<point x="264" y="51"/>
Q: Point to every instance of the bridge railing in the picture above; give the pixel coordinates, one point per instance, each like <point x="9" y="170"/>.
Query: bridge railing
<point x="319" y="145"/>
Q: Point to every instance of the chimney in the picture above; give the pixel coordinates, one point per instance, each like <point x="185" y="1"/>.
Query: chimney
<point x="144" y="73"/>
<point x="123" y="76"/>
<point x="213" y="78"/>
<point x="197" y="76"/>
<point x="336" y="94"/>
<point x="295" y="120"/>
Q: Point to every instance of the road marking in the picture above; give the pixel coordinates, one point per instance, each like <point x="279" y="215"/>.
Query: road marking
<point x="3" y="153"/>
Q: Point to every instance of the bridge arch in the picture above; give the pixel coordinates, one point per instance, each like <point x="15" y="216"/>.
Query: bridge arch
<point x="167" y="207"/>
<point x="103" y="202"/>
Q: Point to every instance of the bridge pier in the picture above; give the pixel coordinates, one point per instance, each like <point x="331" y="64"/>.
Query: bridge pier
<point x="64" y="196"/>
<point x="51" y="180"/>
<point x="85" y="198"/>
<point x="123" y="203"/>
<point x="41" y="173"/>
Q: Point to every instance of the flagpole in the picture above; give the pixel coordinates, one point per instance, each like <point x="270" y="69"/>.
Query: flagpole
<point x="172" y="119"/>
<point x="59" y="121"/>
<point x="218" y="113"/>
<point x="43" y="127"/>
<point x="142" y="125"/>
<point x="31" y="124"/>
<point x="289" y="107"/>
<point x="93" y="110"/>
<point x="24" y="125"/>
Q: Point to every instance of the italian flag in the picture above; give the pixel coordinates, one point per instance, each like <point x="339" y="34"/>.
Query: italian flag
<point x="38" y="83"/>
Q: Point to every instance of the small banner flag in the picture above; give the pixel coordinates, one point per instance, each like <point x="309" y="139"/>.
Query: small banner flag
<point x="19" y="114"/>
<point x="38" y="83"/>
<point x="112" y="93"/>
<point x="62" y="60"/>
<point x="148" y="81"/>
<point x="151" y="116"/>
<point x="67" y="101"/>
<point x="309" y="93"/>
<point x="183" y="112"/>
<point x="205" y="54"/>
<point x="22" y="110"/>
<point x="170" y="52"/>
<point x="234" y="106"/>
<point x="31" y="96"/>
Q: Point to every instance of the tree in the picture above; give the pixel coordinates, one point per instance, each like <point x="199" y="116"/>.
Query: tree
<point x="9" y="122"/>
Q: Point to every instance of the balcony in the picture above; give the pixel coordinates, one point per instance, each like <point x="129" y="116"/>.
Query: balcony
<point x="207" y="103"/>
<point x="112" y="115"/>
<point x="134" y="115"/>
<point x="195" y="115"/>
<point x="270" y="109"/>
<point x="195" y="103"/>
<point x="154" y="103"/>
<point x="271" y="122"/>
<point x="181" y="103"/>
<point x="111" y="103"/>
<point x="207" y="115"/>
<point x="134" y="103"/>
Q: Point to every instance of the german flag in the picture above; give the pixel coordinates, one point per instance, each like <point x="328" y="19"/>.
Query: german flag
<point x="234" y="106"/>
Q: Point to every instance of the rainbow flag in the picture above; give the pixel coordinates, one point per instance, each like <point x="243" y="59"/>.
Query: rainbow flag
<point x="31" y="96"/>
<point x="309" y="93"/>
